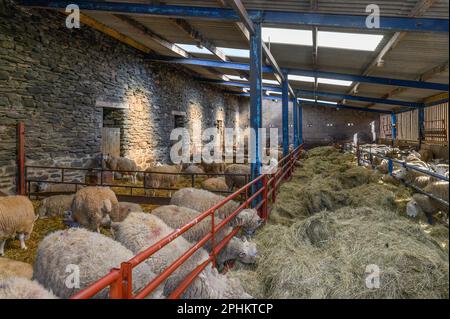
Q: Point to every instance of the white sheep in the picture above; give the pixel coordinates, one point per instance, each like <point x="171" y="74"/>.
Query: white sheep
<point x="156" y="177"/>
<point x="45" y="187"/>
<point x="93" y="207"/>
<point x="13" y="268"/>
<point x="125" y="208"/>
<point x="125" y="165"/>
<point x="271" y="168"/>
<point x="70" y="260"/>
<point x="55" y="205"/>
<point x="202" y="200"/>
<point x="237" y="181"/>
<point x="16" y="219"/>
<point x="140" y="231"/>
<point x="213" y="168"/>
<point x="215" y="184"/>
<point x="194" y="169"/>
<point x="22" y="288"/>
<point x="176" y="217"/>
<point x="423" y="204"/>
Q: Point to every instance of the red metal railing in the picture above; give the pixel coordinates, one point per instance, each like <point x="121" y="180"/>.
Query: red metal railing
<point x="119" y="280"/>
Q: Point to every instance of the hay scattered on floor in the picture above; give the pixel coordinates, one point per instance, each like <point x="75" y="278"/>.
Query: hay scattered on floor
<point x="326" y="255"/>
<point x="329" y="180"/>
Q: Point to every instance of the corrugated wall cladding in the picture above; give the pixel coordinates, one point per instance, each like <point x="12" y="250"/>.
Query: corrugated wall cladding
<point x="435" y="125"/>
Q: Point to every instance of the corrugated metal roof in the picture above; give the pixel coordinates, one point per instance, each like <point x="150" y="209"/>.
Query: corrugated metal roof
<point x="415" y="54"/>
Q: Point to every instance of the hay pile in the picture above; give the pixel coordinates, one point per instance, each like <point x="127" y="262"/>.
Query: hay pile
<point x="326" y="255"/>
<point x="329" y="180"/>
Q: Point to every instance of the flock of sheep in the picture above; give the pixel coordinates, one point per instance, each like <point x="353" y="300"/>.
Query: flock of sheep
<point x="93" y="208"/>
<point x="420" y="205"/>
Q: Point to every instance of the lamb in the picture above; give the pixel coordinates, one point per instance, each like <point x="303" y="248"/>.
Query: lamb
<point x="125" y="165"/>
<point x="22" y="288"/>
<point x="87" y="254"/>
<point x="201" y="200"/>
<point x="193" y="169"/>
<point x="13" y="268"/>
<point x="55" y="205"/>
<point x="125" y="208"/>
<point x="215" y="184"/>
<point x="16" y="219"/>
<point x="94" y="206"/>
<point x="237" y="180"/>
<point x="156" y="177"/>
<point x="140" y="231"/>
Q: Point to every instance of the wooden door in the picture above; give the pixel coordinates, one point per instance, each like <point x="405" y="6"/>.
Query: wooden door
<point x="111" y="141"/>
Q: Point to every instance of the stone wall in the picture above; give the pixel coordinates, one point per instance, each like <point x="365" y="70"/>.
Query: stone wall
<point x="52" y="78"/>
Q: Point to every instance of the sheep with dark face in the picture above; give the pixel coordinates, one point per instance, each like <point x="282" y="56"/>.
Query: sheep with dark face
<point x="140" y="231"/>
<point x="16" y="220"/>
<point x="89" y="255"/>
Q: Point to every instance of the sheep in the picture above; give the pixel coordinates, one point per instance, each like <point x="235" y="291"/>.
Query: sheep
<point x="94" y="206"/>
<point x="426" y="155"/>
<point x="237" y="180"/>
<point x="422" y="203"/>
<point x="22" y="288"/>
<point x="45" y="187"/>
<point x="409" y="175"/>
<point x="213" y="168"/>
<point x="68" y="261"/>
<point x="16" y="219"/>
<point x="55" y="205"/>
<point x="193" y="169"/>
<point x="13" y="268"/>
<point x="176" y="217"/>
<point x="201" y="200"/>
<point x="271" y="168"/>
<point x="215" y="184"/>
<point x="140" y="231"/>
<point x="125" y="208"/>
<point x="157" y="176"/>
<point x="125" y="165"/>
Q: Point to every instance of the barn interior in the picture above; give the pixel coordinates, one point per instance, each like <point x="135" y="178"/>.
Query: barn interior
<point x="354" y="203"/>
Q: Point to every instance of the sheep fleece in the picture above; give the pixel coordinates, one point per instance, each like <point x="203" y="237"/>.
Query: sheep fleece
<point x="202" y="200"/>
<point x="22" y="288"/>
<point x="16" y="216"/>
<point x="94" y="254"/>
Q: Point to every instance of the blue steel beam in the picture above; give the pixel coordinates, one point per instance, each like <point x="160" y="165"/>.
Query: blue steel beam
<point x="324" y="94"/>
<point x="394" y="126"/>
<point x="336" y="106"/>
<point x="285" y="115"/>
<point x="330" y="75"/>
<point x="267" y="17"/>
<point x="360" y="98"/>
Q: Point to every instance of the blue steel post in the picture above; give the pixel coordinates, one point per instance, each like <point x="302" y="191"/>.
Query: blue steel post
<point x="256" y="95"/>
<point x="300" y="122"/>
<point x="295" y="113"/>
<point x="394" y="127"/>
<point x="421" y="125"/>
<point x="285" y="115"/>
